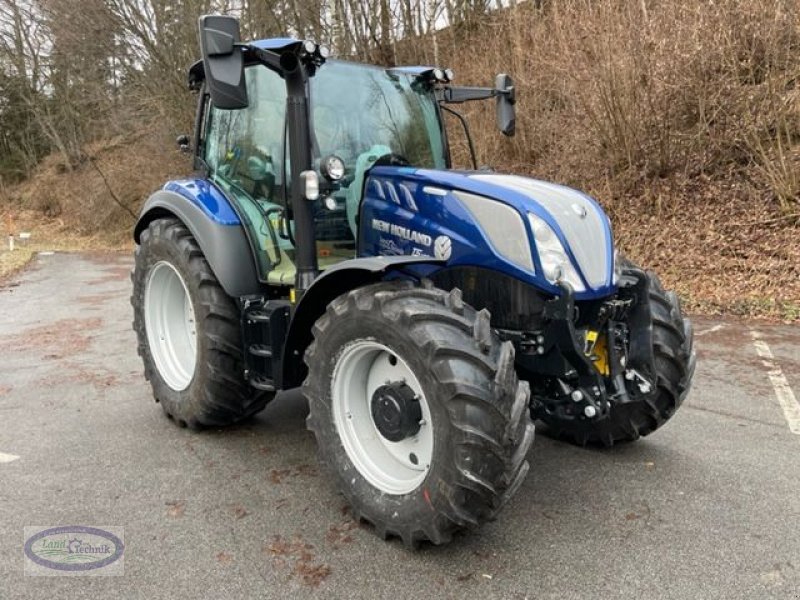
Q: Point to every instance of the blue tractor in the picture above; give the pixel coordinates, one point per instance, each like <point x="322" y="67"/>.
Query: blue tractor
<point x="430" y="315"/>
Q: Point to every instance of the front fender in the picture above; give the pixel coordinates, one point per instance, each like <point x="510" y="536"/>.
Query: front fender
<point x="334" y="282"/>
<point x="219" y="233"/>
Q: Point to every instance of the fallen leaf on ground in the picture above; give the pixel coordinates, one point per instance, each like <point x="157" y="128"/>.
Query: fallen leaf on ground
<point x="176" y="508"/>
<point x="302" y="554"/>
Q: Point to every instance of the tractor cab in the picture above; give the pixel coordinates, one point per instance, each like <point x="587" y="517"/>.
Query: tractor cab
<point x="276" y="115"/>
<point x="385" y="115"/>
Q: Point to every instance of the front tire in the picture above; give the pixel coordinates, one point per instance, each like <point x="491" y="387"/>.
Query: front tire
<point x="464" y="454"/>
<point x="675" y="362"/>
<point x="188" y="331"/>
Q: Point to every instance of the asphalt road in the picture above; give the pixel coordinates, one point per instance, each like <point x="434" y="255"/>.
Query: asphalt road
<point x="708" y="507"/>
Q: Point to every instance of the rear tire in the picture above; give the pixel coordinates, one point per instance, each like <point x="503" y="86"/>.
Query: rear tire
<point x="675" y="363"/>
<point x="199" y="383"/>
<point x="479" y="422"/>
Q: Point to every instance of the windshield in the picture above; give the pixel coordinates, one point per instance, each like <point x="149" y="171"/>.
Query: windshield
<point x="358" y="110"/>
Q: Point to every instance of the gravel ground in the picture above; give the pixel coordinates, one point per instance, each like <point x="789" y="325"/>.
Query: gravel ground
<point x="708" y="507"/>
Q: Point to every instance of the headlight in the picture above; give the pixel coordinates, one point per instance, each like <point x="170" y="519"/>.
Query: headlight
<point x="503" y="226"/>
<point x="332" y="167"/>
<point x="556" y="265"/>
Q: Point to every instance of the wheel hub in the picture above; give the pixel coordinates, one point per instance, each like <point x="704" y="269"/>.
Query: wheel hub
<point x="396" y="411"/>
<point x="376" y="398"/>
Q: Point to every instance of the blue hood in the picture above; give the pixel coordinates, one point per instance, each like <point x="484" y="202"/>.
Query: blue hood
<point x="427" y="201"/>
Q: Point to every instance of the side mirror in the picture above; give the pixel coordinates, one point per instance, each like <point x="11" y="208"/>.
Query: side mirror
<point x="218" y="43"/>
<point x="223" y="62"/>
<point x="506" y="99"/>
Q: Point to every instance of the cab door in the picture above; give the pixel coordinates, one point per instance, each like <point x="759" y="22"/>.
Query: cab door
<point x="245" y="153"/>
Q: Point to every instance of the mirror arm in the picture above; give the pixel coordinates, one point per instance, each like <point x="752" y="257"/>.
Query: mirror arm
<point x="457" y="95"/>
<point x="265" y="57"/>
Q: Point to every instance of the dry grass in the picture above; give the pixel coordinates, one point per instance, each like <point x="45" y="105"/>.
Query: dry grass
<point x="48" y="235"/>
<point x="631" y="91"/>
<point x="97" y="199"/>
<point x="74" y="209"/>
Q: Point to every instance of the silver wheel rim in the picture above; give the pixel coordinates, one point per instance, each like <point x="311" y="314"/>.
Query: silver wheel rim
<point x="170" y="324"/>
<point x="362" y="367"/>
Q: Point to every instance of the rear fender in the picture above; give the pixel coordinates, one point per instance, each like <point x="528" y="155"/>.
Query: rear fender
<point x="216" y="227"/>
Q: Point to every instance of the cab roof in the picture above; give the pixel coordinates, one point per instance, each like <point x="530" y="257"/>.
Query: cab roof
<point x="197" y="73"/>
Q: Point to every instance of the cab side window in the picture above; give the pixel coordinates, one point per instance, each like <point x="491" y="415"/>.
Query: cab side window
<point x="244" y="153"/>
<point x="244" y="148"/>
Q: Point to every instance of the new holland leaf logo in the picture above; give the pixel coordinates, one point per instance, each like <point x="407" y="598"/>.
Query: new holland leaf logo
<point x="442" y="247"/>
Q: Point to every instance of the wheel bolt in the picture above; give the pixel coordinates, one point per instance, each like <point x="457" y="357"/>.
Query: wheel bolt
<point x="577" y="396"/>
<point x="590" y="411"/>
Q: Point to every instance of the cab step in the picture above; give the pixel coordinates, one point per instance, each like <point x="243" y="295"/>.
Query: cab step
<point x="264" y="327"/>
<point x="260" y="350"/>
<point x="261" y="383"/>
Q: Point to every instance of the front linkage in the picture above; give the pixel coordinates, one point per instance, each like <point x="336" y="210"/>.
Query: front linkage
<point x="580" y="373"/>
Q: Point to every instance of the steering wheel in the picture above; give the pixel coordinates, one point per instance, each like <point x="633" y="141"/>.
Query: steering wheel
<point x="392" y="160"/>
